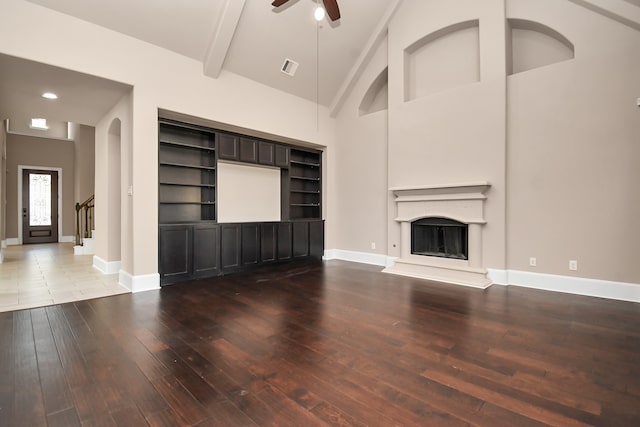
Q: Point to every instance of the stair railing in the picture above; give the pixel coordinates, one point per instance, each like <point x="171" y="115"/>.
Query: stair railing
<point x="84" y="219"/>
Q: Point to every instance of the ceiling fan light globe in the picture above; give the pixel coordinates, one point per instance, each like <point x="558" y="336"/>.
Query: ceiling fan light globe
<point x="319" y="13"/>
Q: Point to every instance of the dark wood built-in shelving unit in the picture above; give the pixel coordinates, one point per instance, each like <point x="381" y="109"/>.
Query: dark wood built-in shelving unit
<point x="187" y="174"/>
<point x="191" y="242"/>
<point x="305" y="177"/>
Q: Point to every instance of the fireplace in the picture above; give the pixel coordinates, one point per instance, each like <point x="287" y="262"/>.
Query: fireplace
<point x="439" y="237"/>
<point x="441" y="233"/>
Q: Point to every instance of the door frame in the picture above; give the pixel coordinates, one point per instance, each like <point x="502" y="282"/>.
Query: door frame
<point x="46" y="168"/>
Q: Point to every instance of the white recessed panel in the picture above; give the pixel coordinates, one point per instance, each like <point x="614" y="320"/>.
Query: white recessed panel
<point x="248" y="193"/>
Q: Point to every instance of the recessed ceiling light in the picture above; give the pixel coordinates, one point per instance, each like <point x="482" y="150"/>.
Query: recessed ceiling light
<point x="50" y="95"/>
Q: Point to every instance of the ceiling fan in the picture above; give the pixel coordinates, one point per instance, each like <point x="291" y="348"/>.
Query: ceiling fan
<point x="331" y="6"/>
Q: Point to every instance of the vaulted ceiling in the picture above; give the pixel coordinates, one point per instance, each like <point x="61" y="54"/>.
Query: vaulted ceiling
<point x="247" y="37"/>
<point x="250" y="38"/>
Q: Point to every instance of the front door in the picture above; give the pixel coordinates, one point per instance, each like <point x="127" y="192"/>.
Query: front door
<point x="39" y="206"/>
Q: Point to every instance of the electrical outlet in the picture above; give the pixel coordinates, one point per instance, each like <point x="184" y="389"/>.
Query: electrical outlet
<point x="532" y="262"/>
<point x="573" y="265"/>
<point x="373" y="245"/>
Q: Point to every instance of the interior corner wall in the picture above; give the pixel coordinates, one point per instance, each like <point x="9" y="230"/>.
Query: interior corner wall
<point x="457" y="135"/>
<point x="573" y="132"/>
<point x="361" y="168"/>
<point x="84" y="152"/>
<point x="35" y="151"/>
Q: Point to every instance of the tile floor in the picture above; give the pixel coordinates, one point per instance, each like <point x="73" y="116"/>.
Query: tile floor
<point x="46" y="274"/>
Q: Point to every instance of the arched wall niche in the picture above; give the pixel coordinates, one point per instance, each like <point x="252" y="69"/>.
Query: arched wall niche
<point x="377" y="96"/>
<point x="534" y="45"/>
<point x="443" y="59"/>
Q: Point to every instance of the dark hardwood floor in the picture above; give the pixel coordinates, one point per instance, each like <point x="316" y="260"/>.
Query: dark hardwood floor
<point x="339" y="344"/>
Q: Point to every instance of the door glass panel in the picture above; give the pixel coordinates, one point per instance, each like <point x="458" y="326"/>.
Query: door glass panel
<point x="39" y="199"/>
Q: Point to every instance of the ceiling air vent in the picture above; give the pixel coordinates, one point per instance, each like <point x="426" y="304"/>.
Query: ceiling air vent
<point x="289" y="67"/>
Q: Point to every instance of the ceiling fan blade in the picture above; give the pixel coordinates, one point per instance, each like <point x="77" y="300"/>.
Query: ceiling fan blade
<point x="278" y="3"/>
<point x="331" y="6"/>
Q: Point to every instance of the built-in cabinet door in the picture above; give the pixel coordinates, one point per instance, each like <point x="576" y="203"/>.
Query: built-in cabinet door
<point x="206" y="250"/>
<point x="282" y="156"/>
<point x="248" y="150"/>
<point x="316" y="238"/>
<point x="284" y="241"/>
<point x="175" y="253"/>
<point x="230" y="246"/>
<point x="268" y="243"/>
<point x="266" y="155"/>
<point x="250" y="244"/>
<point x="300" y="239"/>
<point x="228" y="146"/>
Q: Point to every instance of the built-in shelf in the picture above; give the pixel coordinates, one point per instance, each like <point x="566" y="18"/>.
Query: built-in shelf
<point x="178" y="184"/>
<point x="306" y="178"/>
<point x="183" y="165"/>
<point x="181" y="144"/>
<point x="312" y="164"/>
<point x="187" y="173"/>
<point x="304" y="184"/>
<point x="187" y="203"/>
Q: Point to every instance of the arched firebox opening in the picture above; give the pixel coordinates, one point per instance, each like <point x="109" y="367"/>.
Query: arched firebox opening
<point x="440" y="237"/>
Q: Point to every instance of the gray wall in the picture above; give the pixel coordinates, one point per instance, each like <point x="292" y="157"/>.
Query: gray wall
<point x="33" y="151"/>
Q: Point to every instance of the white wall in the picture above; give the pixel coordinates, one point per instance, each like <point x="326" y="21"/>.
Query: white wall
<point x="247" y="193"/>
<point x="361" y="169"/>
<point x="574" y="145"/>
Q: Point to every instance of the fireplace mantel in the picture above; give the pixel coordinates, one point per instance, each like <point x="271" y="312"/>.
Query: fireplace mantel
<point x="463" y="202"/>
<point x="466" y="187"/>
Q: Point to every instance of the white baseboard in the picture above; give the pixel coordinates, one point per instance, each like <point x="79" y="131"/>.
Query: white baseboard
<point x="498" y="277"/>
<point x="67" y="239"/>
<point x="567" y="284"/>
<point x="576" y="285"/>
<point x="13" y="241"/>
<point x="106" y="267"/>
<point x="361" y="257"/>
<point x="3" y="244"/>
<point x="1" y="256"/>
<point x="141" y="283"/>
